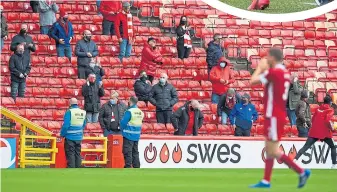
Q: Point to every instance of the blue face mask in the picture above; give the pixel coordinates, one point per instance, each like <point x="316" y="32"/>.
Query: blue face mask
<point x="112" y="101"/>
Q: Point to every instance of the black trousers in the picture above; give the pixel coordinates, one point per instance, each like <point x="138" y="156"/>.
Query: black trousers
<point x="131" y="153"/>
<point x="73" y="153"/>
<point x="239" y="132"/>
<point x="183" y="52"/>
<point x="164" y="116"/>
<point x="310" y="141"/>
<point x="81" y="72"/>
<point x="302" y="131"/>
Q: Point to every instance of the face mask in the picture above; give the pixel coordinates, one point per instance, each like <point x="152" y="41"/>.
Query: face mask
<point x="87" y="38"/>
<point x="222" y="65"/>
<point x="92" y="65"/>
<point x="112" y="101"/>
<point x="23" y="31"/>
<point x="162" y="81"/>
<point x="230" y="97"/>
<point x="183" y="22"/>
<point x="143" y="78"/>
<point x="65" y="19"/>
<point x="244" y="101"/>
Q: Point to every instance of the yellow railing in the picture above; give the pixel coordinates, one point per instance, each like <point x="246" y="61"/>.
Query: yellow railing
<point x="103" y="150"/>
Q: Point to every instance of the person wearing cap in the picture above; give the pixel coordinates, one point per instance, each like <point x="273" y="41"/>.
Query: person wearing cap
<point x="109" y="10"/>
<point x="294" y="96"/>
<point x="62" y="32"/>
<point x="4" y="28"/>
<point x="221" y="77"/>
<point x="131" y="127"/>
<point x="243" y="116"/>
<point x="226" y="103"/>
<point x="214" y="52"/>
<point x="188" y="119"/>
<point x="151" y="57"/>
<point x="25" y="39"/>
<point x="92" y="93"/>
<point x="303" y="115"/>
<point x="110" y="115"/>
<point x="74" y="122"/>
<point x="184" y="42"/>
<point x="47" y="10"/>
<point x="125" y="37"/>
<point x="142" y="87"/>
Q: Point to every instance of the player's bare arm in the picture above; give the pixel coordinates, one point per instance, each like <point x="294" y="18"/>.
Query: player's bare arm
<point x="261" y="68"/>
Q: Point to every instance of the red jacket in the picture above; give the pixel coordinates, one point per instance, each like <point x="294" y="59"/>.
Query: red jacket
<point x="150" y="58"/>
<point x="122" y="19"/>
<point x="218" y="73"/>
<point x="320" y="123"/>
<point x="107" y="7"/>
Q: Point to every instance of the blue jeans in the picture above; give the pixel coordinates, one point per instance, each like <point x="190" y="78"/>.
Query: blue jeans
<point x="292" y="116"/>
<point x="302" y="131"/>
<point x="18" y="89"/>
<point x="224" y="117"/>
<point x="92" y="117"/>
<point x="124" y="49"/>
<point x="1" y="44"/>
<point x="44" y="30"/>
<point x="215" y="98"/>
<point x="109" y="132"/>
<point x="98" y="4"/>
<point x="64" y="51"/>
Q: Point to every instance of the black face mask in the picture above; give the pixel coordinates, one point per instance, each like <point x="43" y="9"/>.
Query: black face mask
<point x="65" y="19"/>
<point x="87" y="38"/>
<point x="143" y="78"/>
<point x="183" y="22"/>
<point x="23" y="31"/>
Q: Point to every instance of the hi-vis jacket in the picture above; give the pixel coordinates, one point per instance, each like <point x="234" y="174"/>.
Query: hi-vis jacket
<point x="74" y="123"/>
<point x="131" y="124"/>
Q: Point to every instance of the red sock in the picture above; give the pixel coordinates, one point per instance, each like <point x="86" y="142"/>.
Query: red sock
<point x="268" y="169"/>
<point x="291" y="164"/>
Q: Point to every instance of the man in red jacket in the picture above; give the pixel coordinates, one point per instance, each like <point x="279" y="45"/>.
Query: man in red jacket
<point x="321" y="130"/>
<point x="109" y="10"/>
<point x="221" y="77"/>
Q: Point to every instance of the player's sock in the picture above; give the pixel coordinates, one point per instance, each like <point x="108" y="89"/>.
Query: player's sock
<point x="268" y="170"/>
<point x="291" y="164"/>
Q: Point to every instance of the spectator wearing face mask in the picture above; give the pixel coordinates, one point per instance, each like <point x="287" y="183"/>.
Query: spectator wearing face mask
<point x="63" y="33"/>
<point x="142" y="87"/>
<point x="85" y="50"/>
<point x="221" y="77"/>
<point x="110" y="115"/>
<point x="92" y="93"/>
<point x="163" y="95"/>
<point x="24" y="39"/>
<point x="242" y="116"/>
<point x="4" y="29"/>
<point x="226" y="103"/>
<point x="214" y="52"/>
<point x="303" y="115"/>
<point x="19" y="67"/>
<point x="151" y="57"/>
<point x="184" y="42"/>
<point x="95" y="68"/>
<point x="47" y="10"/>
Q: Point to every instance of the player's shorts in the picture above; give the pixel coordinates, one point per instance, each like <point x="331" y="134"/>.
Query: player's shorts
<point x="274" y="128"/>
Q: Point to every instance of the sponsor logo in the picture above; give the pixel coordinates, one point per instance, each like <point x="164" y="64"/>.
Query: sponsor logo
<point x="151" y="153"/>
<point x="8" y="153"/>
<point x="115" y="142"/>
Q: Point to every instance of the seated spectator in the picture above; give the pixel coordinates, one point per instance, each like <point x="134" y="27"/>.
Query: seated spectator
<point x="25" y="39"/>
<point x="214" y="52"/>
<point x="303" y="115"/>
<point x="19" y="67"/>
<point x="85" y="50"/>
<point x="47" y="10"/>
<point x="95" y="68"/>
<point x="4" y="29"/>
<point x="92" y="93"/>
<point x="242" y="116"/>
<point x="163" y="95"/>
<point x="35" y="6"/>
<point x="188" y="119"/>
<point x="63" y="34"/>
<point x="142" y="87"/>
<point x="150" y="58"/>
<point x="184" y="42"/>
<point x="294" y="96"/>
<point x="125" y="37"/>
<point x="221" y="77"/>
<point x="110" y="115"/>
<point x="109" y="10"/>
<point x="226" y="104"/>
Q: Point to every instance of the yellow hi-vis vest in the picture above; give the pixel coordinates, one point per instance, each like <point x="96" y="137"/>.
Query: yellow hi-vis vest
<point x="77" y="117"/>
<point x="137" y="117"/>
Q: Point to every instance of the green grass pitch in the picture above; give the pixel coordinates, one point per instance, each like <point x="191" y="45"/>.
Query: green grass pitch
<point x="159" y="180"/>
<point x="276" y="6"/>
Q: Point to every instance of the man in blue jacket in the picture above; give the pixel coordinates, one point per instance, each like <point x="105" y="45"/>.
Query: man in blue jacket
<point x="242" y="116"/>
<point x="72" y="130"/>
<point x="214" y="52"/>
<point x="131" y="126"/>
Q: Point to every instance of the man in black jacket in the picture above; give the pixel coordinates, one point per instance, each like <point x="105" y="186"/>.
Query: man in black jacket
<point x="110" y="115"/>
<point x="25" y="39"/>
<point x="163" y="95"/>
<point x="187" y="119"/>
<point x="92" y="93"/>
<point x="303" y="115"/>
<point x="19" y="67"/>
<point x="214" y="52"/>
<point x="4" y="29"/>
<point x="142" y="87"/>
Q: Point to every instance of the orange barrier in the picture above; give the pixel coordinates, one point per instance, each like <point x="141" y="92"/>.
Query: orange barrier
<point x="60" y="160"/>
<point x="115" y="151"/>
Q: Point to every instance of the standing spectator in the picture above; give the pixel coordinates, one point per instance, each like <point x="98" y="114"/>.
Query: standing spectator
<point x="131" y="126"/>
<point x="221" y="77"/>
<point x="109" y="10"/>
<point x="98" y="4"/>
<point x="142" y="87"/>
<point x="226" y="103"/>
<point x="110" y="115"/>
<point x="85" y="50"/>
<point x="4" y="29"/>
<point x="184" y="42"/>
<point x="47" y="10"/>
<point x="125" y="37"/>
<point x="25" y="39"/>
<point x="214" y="52"/>
<point x="242" y="116"/>
<point x="72" y="130"/>
<point x="95" y="68"/>
<point x="19" y="67"/>
<point x="163" y="95"/>
<point x="188" y="119"/>
<point x="150" y="58"/>
<point x="303" y="114"/>
<point x="92" y="94"/>
<point x="63" y="33"/>
<point x="35" y="6"/>
<point x="294" y="96"/>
